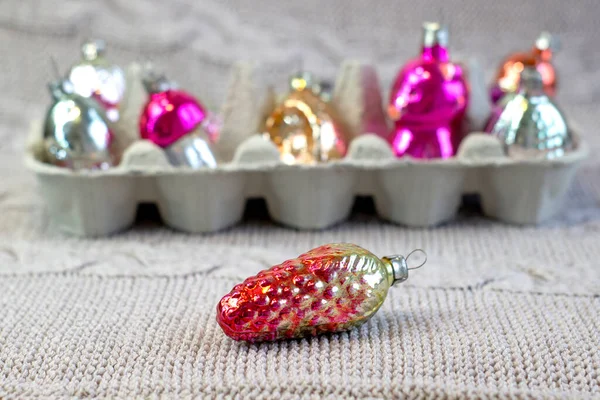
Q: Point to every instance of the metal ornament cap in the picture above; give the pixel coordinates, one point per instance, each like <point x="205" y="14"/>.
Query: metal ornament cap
<point x="155" y="83"/>
<point x="301" y="80"/>
<point x="399" y="265"/>
<point x="93" y="49"/>
<point x="76" y="132"/>
<point x="547" y="41"/>
<point x="435" y="34"/>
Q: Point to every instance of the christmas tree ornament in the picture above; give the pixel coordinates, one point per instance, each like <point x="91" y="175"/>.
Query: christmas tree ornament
<point x="528" y="122"/>
<point x="305" y="126"/>
<point x="428" y="100"/>
<point x="540" y="57"/>
<point x="94" y="76"/>
<point x="76" y="132"/>
<point x="332" y="288"/>
<point x="179" y="123"/>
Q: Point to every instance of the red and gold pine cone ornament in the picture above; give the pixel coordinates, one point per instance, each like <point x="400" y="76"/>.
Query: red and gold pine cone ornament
<point x="332" y="288"/>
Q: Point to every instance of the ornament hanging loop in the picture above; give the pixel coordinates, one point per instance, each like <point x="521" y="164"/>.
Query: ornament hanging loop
<point x="423" y="255"/>
<point x="399" y="265"/>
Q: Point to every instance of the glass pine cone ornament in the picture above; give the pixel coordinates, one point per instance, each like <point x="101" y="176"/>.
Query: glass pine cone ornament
<point x="76" y="132"/>
<point x="332" y="288"/>
<point x="305" y="126"/>
<point x="94" y="76"/>
<point x="428" y="100"/>
<point x="540" y="57"/>
<point x="528" y="122"/>
<point x="179" y="123"/>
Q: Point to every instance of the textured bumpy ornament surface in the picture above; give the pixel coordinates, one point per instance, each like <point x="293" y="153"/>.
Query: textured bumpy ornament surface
<point x="332" y="288"/>
<point x="428" y="100"/>
<point x="76" y="133"/>
<point x="540" y="57"/>
<point x="529" y="123"/>
<point x="94" y="76"/>
<point x="305" y="126"/>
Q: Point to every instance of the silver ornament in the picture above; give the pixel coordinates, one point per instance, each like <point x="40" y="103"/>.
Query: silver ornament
<point x="529" y="123"/>
<point x="192" y="151"/>
<point x="76" y="134"/>
<point x="94" y="76"/>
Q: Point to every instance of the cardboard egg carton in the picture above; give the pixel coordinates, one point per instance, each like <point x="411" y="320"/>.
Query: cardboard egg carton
<point x="416" y="193"/>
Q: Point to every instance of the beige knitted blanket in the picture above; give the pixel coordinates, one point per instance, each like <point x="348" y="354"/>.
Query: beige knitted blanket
<point x="499" y="311"/>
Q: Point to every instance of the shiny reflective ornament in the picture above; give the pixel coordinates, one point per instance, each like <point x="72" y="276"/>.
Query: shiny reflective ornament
<point x="76" y="133"/>
<point x="332" y="288"/>
<point x="94" y="76"/>
<point x="305" y="126"/>
<point x="428" y="100"/>
<point x="540" y="57"/>
<point x="528" y="122"/>
<point x="177" y="122"/>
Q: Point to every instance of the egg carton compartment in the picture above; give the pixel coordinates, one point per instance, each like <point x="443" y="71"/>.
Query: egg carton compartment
<point x="410" y="192"/>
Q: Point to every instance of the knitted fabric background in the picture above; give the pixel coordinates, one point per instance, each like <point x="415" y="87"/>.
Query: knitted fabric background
<point x="498" y="310"/>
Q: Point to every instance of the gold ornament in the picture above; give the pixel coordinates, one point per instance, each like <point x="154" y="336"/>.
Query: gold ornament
<point x="305" y="126"/>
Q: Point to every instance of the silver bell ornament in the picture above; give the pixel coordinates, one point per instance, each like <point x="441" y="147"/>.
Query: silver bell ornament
<point x="76" y="132"/>
<point x="528" y="122"/>
<point x="177" y="122"/>
<point x="94" y="76"/>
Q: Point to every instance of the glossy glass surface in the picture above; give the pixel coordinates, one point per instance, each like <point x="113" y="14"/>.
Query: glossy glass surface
<point x="169" y="115"/>
<point x="331" y="288"/>
<point x="529" y="124"/>
<point x="76" y="134"/>
<point x="428" y="103"/>
<point x="306" y="129"/>
<point x="507" y="78"/>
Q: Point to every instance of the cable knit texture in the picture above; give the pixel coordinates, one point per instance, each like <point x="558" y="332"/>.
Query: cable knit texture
<point x="499" y="311"/>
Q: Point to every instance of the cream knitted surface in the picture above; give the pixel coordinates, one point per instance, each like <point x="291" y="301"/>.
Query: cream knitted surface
<point x="499" y="311"/>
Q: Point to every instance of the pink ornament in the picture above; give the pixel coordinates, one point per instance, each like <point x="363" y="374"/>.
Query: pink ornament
<point x="428" y="101"/>
<point x="177" y="122"/>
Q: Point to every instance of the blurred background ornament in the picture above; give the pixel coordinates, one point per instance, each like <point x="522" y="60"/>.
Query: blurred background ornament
<point x="540" y="57"/>
<point x="76" y="132"/>
<point x="428" y="100"/>
<point x="528" y="122"/>
<point x="179" y="123"/>
<point x="305" y="125"/>
<point x="94" y="76"/>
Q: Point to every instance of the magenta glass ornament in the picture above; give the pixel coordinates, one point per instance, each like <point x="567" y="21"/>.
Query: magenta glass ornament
<point x="177" y="122"/>
<point x="428" y="101"/>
